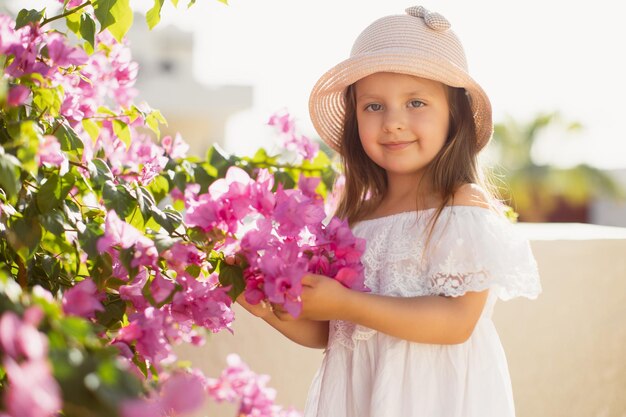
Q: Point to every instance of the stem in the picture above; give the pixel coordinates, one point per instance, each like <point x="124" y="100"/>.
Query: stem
<point x="69" y="12"/>
<point x="76" y="164"/>
<point x="31" y="185"/>
<point x="22" y="277"/>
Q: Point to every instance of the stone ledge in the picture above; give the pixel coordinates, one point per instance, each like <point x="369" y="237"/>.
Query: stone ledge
<point x="570" y="231"/>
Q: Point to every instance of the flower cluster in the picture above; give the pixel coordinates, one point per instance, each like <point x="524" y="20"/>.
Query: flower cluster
<point x="281" y="235"/>
<point x="180" y="301"/>
<point x="91" y="214"/>
<point x="32" y="390"/>
<point x="238" y="384"/>
<point x="285" y="125"/>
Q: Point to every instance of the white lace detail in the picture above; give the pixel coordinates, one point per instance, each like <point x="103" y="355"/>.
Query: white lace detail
<point x="473" y="250"/>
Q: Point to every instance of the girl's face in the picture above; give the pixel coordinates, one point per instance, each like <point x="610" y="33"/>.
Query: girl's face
<point x="403" y="120"/>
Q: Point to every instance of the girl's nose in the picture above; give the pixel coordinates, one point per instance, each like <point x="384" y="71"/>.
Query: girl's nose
<point x="394" y="121"/>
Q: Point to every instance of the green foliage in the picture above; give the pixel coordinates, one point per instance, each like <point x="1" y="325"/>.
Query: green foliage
<point x="153" y="16"/>
<point x="535" y="189"/>
<point x="24" y="17"/>
<point x="52" y="215"/>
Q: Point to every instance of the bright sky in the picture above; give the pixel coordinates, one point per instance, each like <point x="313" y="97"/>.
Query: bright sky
<point x="530" y="56"/>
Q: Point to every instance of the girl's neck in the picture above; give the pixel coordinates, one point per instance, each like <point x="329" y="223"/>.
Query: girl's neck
<point x="406" y="193"/>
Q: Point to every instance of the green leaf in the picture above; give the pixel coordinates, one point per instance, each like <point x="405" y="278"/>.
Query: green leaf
<point x="168" y="219"/>
<point x="92" y="129"/>
<point x="68" y="138"/>
<point x="159" y="188"/>
<point x="174" y="2"/>
<point x="53" y="191"/>
<point x="99" y="171"/>
<point x="118" y="198"/>
<point x="76" y="328"/>
<point x="25" y="17"/>
<point x="9" y="174"/>
<point x="113" y="313"/>
<point x="219" y="160"/>
<point x="202" y="177"/>
<point x="88" y="238"/>
<point x="122" y="131"/>
<point x="191" y="3"/>
<point x="163" y="242"/>
<point x="53" y="221"/>
<point x="115" y="15"/>
<point x="153" y="17"/>
<point x="24" y="236"/>
<point x="31" y="136"/>
<point x="48" y="99"/>
<point x="285" y="179"/>
<point x="145" y="202"/>
<point x="48" y="194"/>
<point x="73" y="21"/>
<point x="88" y="29"/>
<point x="320" y="162"/>
<point x="153" y="120"/>
<point x="102" y="9"/>
<point x="231" y="275"/>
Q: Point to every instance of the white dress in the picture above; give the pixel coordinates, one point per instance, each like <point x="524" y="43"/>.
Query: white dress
<point x="366" y="373"/>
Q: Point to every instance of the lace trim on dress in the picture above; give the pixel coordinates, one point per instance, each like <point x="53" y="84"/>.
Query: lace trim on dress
<point x="473" y="250"/>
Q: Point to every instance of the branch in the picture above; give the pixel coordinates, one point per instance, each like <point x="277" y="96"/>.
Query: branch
<point x="22" y="277"/>
<point x="69" y="12"/>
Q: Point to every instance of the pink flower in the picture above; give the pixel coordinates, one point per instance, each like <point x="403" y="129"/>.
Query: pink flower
<point x="286" y="127"/>
<point x="294" y="211"/>
<point x="183" y="393"/>
<point x="20" y="339"/>
<point x="308" y="185"/>
<point x="83" y="299"/>
<point x="203" y="304"/>
<point x="62" y="54"/>
<point x="238" y="383"/>
<point x="180" y="256"/>
<point x="122" y="234"/>
<point x="49" y="152"/>
<point x="71" y="3"/>
<point x="133" y="292"/>
<point x="24" y="46"/>
<point x="175" y="148"/>
<point x="32" y="391"/>
<point x="150" y="407"/>
<point x="17" y="95"/>
<point x="148" y="329"/>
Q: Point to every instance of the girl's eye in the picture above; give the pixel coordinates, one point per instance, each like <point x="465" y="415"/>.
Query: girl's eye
<point x="373" y="107"/>
<point x="416" y="103"/>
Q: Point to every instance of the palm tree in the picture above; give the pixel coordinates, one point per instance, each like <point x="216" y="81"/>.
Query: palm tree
<point x="536" y="190"/>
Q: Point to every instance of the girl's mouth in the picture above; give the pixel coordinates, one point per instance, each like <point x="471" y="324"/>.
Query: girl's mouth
<point x="396" y="146"/>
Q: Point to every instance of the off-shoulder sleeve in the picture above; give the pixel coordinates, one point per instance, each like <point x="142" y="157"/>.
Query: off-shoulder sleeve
<point x="474" y="249"/>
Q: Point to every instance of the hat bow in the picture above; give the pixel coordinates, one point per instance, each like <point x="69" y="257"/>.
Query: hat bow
<point x="433" y="20"/>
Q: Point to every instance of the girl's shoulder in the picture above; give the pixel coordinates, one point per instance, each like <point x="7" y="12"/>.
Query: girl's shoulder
<point x="470" y="194"/>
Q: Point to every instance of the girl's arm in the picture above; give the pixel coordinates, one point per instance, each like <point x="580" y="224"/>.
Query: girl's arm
<point x="309" y="333"/>
<point x="427" y="319"/>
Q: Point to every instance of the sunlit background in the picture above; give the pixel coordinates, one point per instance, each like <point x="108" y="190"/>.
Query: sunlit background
<point x="218" y="72"/>
<point x="554" y="70"/>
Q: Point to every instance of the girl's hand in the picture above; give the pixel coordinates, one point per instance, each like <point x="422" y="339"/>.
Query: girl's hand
<point x="322" y="299"/>
<point x="261" y="310"/>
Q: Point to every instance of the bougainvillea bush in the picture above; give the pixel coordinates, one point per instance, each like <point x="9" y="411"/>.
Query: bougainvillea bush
<point x="115" y="245"/>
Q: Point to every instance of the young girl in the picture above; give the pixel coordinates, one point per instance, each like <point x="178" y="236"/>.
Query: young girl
<point x="408" y="122"/>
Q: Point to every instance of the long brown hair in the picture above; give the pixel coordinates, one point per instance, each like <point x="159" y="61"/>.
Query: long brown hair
<point x="455" y="164"/>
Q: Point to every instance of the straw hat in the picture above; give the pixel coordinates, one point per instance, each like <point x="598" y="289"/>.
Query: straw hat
<point x="418" y="43"/>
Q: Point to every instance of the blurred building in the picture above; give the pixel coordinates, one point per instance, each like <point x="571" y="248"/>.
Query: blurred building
<point x="610" y="212"/>
<point x="165" y="81"/>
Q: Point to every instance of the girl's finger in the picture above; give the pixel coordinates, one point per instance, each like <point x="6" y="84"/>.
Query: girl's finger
<point x="309" y="279"/>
